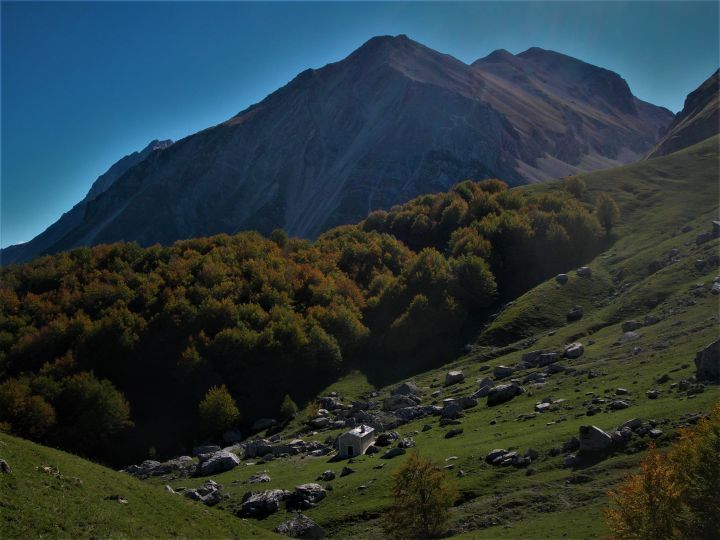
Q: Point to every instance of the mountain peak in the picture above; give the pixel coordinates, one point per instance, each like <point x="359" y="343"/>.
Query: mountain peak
<point x="498" y="55"/>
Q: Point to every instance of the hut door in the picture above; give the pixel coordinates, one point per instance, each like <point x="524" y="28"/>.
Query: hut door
<point x="350" y="451"/>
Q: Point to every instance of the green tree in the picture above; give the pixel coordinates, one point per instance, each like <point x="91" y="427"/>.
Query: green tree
<point x="280" y="237"/>
<point x="607" y="211"/>
<point x="218" y="411"/>
<point x="423" y="495"/>
<point x="575" y="186"/>
<point x="289" y="408"/>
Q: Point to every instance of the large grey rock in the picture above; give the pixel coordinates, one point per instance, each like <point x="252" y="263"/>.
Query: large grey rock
<point x="467" y="402"/>
<point x="406" y="388"/>
<point x="210" y="493"/>
<point x="574" y="350"/>
<point x="575" y="313"/>
<point x="182" y="465"/>
<point x="257" y="448"/>
<point x="327" y="476"/>
<point x="305" y="496"/>
<point x="629" y="326"/>
<point x="4" y="467"/>
<point x="454" y="377"/>
<point x="502" y="393"/>
<point x="263" y="503"/>
<point x="393" y="452"/>
<point x="707" y="363"/>
<point x="217" y="463"/>
<point x="629" y="336"/>
<point x="453" y="411"/>
<point x="398" y="401"/>
<point x="259" y="478"/>
<point x="584" y="271"/>
<point x="501" y="372"/>
<point x="301" y="526"/>
<point x="594" y="439"/>
<point x="562" y="279"/>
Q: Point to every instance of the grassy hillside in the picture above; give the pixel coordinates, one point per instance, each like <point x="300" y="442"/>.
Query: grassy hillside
<point x="74" y="498"/>
<point x="632" y="278"/>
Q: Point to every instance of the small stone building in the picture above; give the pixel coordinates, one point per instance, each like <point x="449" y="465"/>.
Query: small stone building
<point x="354" y="442"/>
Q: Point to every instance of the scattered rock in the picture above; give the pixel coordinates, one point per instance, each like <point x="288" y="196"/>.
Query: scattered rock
<point x="4" y="467"/>
<point x="503" y="393"/>
<point x="629" y="326"/>
<point x="707" y="363"/>
<point x="650" y="320"/>
<point x="217" y="463"/>
<point x="453" y="411"/>
<point x="210" y="493"/>
<point x="327" y="476"/>
<point x="406" y="443"/>
<point x="652" y="394"/>
<point x="259" y="478"/>
<point x="618" y="405"/>
<point x="454" y="377"/>
<point x="584" y="271"/>
<point x="629" y="336"/>
<point x="405" y="389"/>
<point x="655" y="433"/>
<point x="393" y="452"/>
<point x="621" y="391"/>
<point x="501" y="372"/>
<point x="399" y="401"/>
<point x="386" y="438"/>
<point x="574" y="350"/>
<point x="542" y="407"/>
<point x="594" y="439"/>
<point x="575" y="313"/>
<point x="301" y="526"/>
<point x="453" y="433"/>
<point x="263" y="503"/>
<point x="305" y="496"/>
<point x="345" y="471"/>
<point x="562" y="279"/>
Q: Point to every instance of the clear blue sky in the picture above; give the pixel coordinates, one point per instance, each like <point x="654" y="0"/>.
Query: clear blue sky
<point x="85" y="83"/>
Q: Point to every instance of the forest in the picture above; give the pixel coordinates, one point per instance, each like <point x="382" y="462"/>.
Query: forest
<point x="108" y="351"/>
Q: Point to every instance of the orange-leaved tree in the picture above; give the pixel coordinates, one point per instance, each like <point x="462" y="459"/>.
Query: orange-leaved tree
<point x="676" y="495"/>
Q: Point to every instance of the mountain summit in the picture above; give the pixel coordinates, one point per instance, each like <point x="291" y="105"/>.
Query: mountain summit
<point x="393" y="120"/>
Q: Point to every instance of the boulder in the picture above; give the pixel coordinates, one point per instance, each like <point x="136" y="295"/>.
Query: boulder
<point x="263" y="503"/>
<point x="263" y="423"/>
<point x="301" y="526"/>
<point x="4" y="467"/>
<point x="584" y="271"/>
<point x="494" y="455"/>
<point x="649" y="320"/>
<point x="546" y="359"/>
<point x="320" y="422"/>
<point x="393" y="452"/>
<point x="452" y="411"/>
<point x="182" y="465"/>
<point x="502" y="393"/>
<point x="411" y="413"/>
<point x="629" y="326"/>
<point x="707" y="363"/>
<point x="327" y="476"/>
<point x="257" y="448"/>
<point x="542" y="407"/>
<point x="618" y="404"/>
<point x="386" y="438"/>
<point x="407" y="442"/>
<point x="406" y="388"/>
<point x="562" y="279"/>
<point x="345" y="471"/>
<point x="305" y="496"/>
<point x="398" y="401"/>
<point x="454" y="377"/>
<point x="259" y="478"/>
<point x="210" y="493"/>
<point x="453" y="433"/>
<point x="631" y="424"/>
<point x="629" y="336"/>
<point x="575" y="313"/>
<point x="217" y="463"/>
<point x="655" y="433"/>
<point x="467" y="402"/>
<point x="594" y="439"/>
<point x="574" y="350"/>
<point x="501" y="372"/>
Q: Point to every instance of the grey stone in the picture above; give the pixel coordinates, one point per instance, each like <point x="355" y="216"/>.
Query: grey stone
<point x="259" y="478"/>
<point x="217" y="463"/>
<point x="575" y="313"/>
<point x="501" y="372"/>
<point x="574" y="350"/>
<point x="454" y="377"/>
<point x="503" y="393"/>
<point x="629" y="326"/>
<point x="406" y="388"/>
<point x="594" y="439"/>
<point x="629" y="336"/>
<point x="618" y="404"/>
<point x="453" y="433"/>
<point x="393" y="452"/>
<point x="305" y="496"/>
<point x="452" y="411"/>
<point x="398" y="401"/>
<point x="584" y="271"/>
<point x="263" y="503"/>
<point x="562" y="279"/>
<point x="210" y="493"/>
<point x="650" y="320"/>
<point x="346" y="471"/>
<point x="707" y="363"/>
<point x="301" y="526"/>
<point x="4" y="467"/>
<point x="327" y="476"/>
<point x="632" y="424"/>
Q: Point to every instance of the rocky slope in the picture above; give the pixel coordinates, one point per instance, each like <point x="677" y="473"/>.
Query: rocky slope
<point x="74" y="217"/>
<point x="698" y="120"/>
<point x="392" y="120"/>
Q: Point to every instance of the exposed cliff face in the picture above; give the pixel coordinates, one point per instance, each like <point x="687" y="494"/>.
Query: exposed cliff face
<point x="393" y="120"/>
<point x="74" y="217"/>
<point x="698" y="120"/>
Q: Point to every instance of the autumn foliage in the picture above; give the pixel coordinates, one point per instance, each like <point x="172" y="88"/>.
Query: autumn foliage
<point x="423" y="494"/>
<point x="675" y="495"/>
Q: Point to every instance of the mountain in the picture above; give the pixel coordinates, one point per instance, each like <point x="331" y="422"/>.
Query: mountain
<point x="393" y="120"/>
<point x="698" y="120"/>
<point x="74" y="217"/>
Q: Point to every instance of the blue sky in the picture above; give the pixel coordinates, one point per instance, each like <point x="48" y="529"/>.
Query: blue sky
<point x="85" y="83"/>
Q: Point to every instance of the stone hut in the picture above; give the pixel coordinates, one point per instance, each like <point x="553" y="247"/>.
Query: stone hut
<point x="356" y="441"/>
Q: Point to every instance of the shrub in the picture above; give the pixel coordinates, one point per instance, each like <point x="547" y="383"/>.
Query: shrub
<point x="423" y="494"/>
<point x="218" y="411"/>
<point x="673" y="496"/>
<point x="288" y="409"/>
<point x="575" y="186"/>
<point x="607" y="211"/>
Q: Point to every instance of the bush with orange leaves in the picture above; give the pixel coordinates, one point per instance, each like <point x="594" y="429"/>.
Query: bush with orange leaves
<point x="676" y="495"/>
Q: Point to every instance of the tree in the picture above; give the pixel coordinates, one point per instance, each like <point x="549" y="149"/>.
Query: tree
<point x="607" y="211"/>
<point x="673" y="496"/>
<point x="218" y="411"/>
<point x="280" y="237"/>
<point x="575" y="186"/>
<point x="423" y="494"/>
<point x="288" y="409"/>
